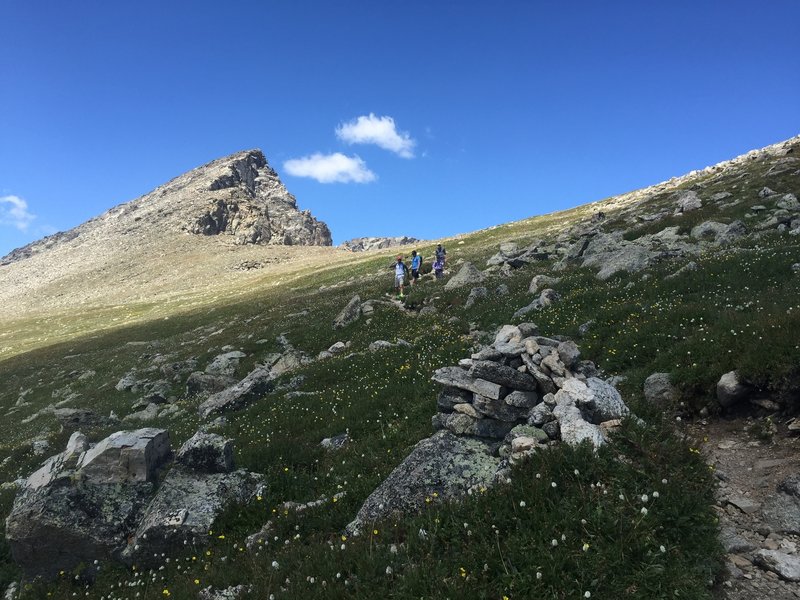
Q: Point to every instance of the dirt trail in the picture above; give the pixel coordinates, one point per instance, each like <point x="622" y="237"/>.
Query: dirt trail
<point x="749" y="471"/>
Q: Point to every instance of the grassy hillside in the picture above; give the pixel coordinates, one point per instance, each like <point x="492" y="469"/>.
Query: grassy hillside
<point x="634" y="520"/>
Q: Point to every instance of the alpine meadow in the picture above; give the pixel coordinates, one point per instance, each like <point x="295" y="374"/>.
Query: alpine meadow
<point x="593" y="403"/>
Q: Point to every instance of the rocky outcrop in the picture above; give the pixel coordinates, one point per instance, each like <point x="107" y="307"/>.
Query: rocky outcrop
<point x="246" y="200"/>
<point x="107" y="502"/>
<point x="82" y="504"/>
<point x="365" y="244"/>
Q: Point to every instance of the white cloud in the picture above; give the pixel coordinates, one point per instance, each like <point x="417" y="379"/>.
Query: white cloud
<point x="380" y="131"/>
<point x="14" y="212"/>
<point x="330" y="168"/>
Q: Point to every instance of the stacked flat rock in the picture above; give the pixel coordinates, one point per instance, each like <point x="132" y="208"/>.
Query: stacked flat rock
<point x="527" y="386"/>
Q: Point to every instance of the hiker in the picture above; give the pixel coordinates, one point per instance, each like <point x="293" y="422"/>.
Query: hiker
<point x="438" y="264"/>
<point x="416" y="266"/>
<point x="400" y="271"/>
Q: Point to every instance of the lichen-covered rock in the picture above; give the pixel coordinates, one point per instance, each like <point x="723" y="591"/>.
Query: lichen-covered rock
<point x="445" y="464"/>
<point x="461" y="424"/>
<point x="184" y="509"/>
<point x="57" y="527"/>
<point x="81" y="505"/>
<point x="206" y="453"/>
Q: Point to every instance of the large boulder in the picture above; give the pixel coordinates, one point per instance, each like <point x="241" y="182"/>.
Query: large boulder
<point x="630" y="258"/>
<point x="126" y="456"/>
<point x="83" y="503"/>
<point x="443" y="464"/>
<point x="468" y="275"/>
<point x="225" y="364"/>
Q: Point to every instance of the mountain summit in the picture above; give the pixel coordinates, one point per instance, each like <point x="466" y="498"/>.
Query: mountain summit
<point x="189" y="235"/>
<point x="239" y="197"/>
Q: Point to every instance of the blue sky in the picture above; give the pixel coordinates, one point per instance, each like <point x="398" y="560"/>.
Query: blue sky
<point x="472" y="113"/>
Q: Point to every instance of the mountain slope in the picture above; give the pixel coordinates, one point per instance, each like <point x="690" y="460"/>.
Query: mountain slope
<point x="692" y="279"/>
<point x="197" y="232"/>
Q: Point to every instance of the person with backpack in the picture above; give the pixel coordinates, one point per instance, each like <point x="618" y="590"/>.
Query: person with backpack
<point x="400" y="272"/>
<point x="416" y="266"/>
<point x="440" y="255"/>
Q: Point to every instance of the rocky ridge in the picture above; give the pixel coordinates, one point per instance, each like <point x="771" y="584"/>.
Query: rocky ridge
<point x="365" y="244"/>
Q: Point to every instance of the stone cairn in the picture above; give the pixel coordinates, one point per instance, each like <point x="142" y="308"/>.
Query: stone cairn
<point x="524" y="390"/>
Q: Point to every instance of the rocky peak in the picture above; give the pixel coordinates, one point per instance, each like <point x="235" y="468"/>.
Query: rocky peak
<point x="238" y="198"/>
<point x="244" y="170"/>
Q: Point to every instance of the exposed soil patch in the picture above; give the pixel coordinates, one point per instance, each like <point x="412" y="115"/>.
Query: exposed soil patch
<point x="750" y="465"/>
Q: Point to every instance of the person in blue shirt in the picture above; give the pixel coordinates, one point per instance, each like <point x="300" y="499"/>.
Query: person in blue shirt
<point x="416" y="266"/>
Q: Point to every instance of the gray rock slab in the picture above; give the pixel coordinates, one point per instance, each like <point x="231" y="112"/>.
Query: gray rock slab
<point x="445" y="464"/>
<point x="459" y="378"/>
<point x="225" y="364"/>
<point x="503" y="375"/>
<point x="126" y="456"/>
<point x="785" y="565"/>
<point x="251" y="388"/>
<point x="204" y="384"/>
<point x="465" y="425"/>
